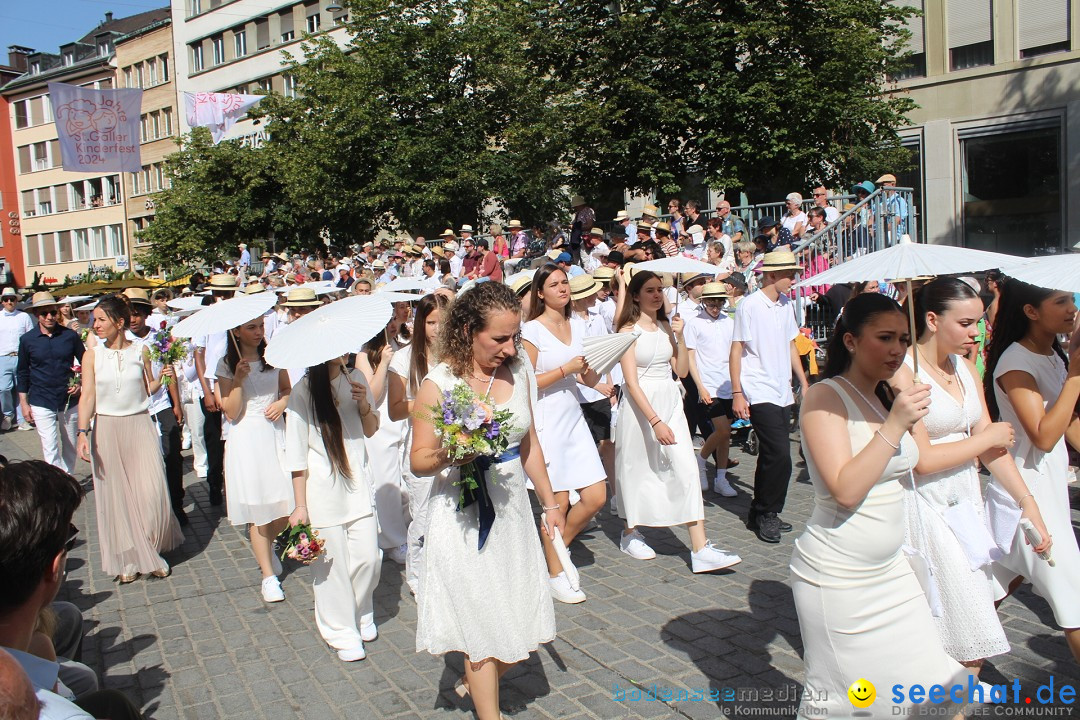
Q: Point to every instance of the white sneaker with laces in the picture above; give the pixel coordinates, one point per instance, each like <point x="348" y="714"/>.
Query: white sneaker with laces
<point x="710" y="558"/>
<point x="271" y="589"/>
<point x="634" y="545"/>
<point x="723" y="487"/>
<point x="398" y="554"/>
<point x="352" y="654"/>
<point x="561" y="590"/>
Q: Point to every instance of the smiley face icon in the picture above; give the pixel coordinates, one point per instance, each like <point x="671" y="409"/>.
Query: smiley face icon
<point x="862" y="693"/>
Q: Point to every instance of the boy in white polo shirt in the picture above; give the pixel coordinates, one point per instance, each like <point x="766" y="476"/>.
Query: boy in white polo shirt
<point x="763" y="356"/>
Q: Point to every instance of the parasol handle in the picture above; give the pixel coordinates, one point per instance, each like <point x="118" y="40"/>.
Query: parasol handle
<point x="911" y="319"/>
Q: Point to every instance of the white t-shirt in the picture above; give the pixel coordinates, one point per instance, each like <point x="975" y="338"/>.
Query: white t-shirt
<point x="710" y="339"/>
<point x="216" y="346"/>
<point x="400" y="366"/>
<point x="13" y="325"/>
<point x="790" y="222"/>
<point x="606" y="308"/>
<point x="767" y="330"/>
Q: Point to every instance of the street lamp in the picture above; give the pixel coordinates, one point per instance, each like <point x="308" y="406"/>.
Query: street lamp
<point x="334" y="6"/>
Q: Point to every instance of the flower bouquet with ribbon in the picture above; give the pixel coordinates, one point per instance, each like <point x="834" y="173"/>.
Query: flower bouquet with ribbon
<point x="302" y="544"/>
<point x="468" y="425"/>
<point x="166" y="349"/>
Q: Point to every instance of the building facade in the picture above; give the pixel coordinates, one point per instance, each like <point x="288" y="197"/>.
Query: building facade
<point x="71" y="222"/>
<point x="11" y="259"/>
<point x="996" y="133"/>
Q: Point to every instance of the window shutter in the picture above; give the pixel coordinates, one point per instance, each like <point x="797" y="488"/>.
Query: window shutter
<point x="969" y="22"/>
<point x="311" y="9"/>
<point x="262" y="33"/>
<point x="914" y="24"/>
<point x="25" y="165"/>
<point x="1043" y="22"/>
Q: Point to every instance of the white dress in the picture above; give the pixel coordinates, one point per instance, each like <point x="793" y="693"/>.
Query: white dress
<point x="969" y="626"/>
<point x="657" y="485"/>
<point x="384" y="454"/>
<point x="258" y="490"/>
<point x="495" y="602"/>
<point x="569" y="450"/>
<point x="1047" y="477"/>
<point x="862" y="612"/>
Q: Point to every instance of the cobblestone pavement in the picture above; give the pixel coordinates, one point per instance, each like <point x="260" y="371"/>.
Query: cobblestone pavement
<point x="202" y="644"/>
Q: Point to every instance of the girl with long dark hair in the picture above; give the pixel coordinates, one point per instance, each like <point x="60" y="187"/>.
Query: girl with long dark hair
<point x="408" y="369"/>
<point x="1030" y="384"/>
<point x="553" y="339"/>
<point x="955" y="433"/>
<point x="330" y="417"/>
<point x="253" y="395"/>
<point x="862" y="611"/>
<point x="656" y="471"/>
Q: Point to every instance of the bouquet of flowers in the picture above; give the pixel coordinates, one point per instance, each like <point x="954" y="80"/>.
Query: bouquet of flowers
<point x="74" y="383"/>
<point x="303" y="544"/>
<point x="467" y="425"/>
<point x="166" y="349"/>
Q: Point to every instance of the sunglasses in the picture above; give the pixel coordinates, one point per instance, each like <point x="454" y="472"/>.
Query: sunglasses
<point x="73" y="536"/>
<point x="46" y="312"/>
<point x="9" y="299"/>
<point x="819" y="194"/>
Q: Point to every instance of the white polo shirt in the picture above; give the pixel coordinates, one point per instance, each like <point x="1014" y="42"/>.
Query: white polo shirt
<point x="767" y="330"/>
<point x="710" y="339"/>
<point x="13" y="325"/>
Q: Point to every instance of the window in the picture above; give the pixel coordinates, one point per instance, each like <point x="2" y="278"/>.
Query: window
<point x="103" y="84"/>
<point x="139" y="75"/>
<point x="37" y="111"/>
<point x="116" y="241"/>
<point x="265" y="84"/>
<point x="151" y="72"/>
<point x="166" y="121"/>
<point x="285" y="21"/>
<point x="159" y="177"/>
<point x="164" y="68"/>
<point x="240" y="43"/>
<point x="22" y="114"/>
<point x="80" y="244"/>
<point x="35" y="67"/>
<point x="54" y="153"/>
<point x="196" y="58"/>
<point x="97" y="238"/>
<point x="288" y="86"/>
<point x="64" y="238"/>
<point x="218" y="45"/>
<point x="145" y="173"/>
<point x="78" y="195"/>
<point x="155" y="124"/>
<point x="1012" y="184"/>
<point x="129" y="77"/>
<point x="60" y="198"/>
<point x="33" y="249"/>
<point x="25" y="163"/>
<point x="41" y="155"/>
<point x="104" y="47"/>
<point x="69" y="58"/>
<point x="44" y="201"/>
<point x="970" y="33"/>
<point x="144" y="128"/>
<point x="1044" y="27"/>
<point x="136" y="183"/>
<point x="262" y="33"/>
<point x="48" y="246"/>
<point x="112" y="189"/>
<point x="313" y="23"/>
<point x="194" y="7"/>
<point x="28" y="203"/>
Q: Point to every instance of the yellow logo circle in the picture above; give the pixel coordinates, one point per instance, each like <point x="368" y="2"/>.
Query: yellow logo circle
<point x="862" y="693"/>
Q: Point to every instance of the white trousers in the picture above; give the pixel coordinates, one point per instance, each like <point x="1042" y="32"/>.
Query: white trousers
<point x="193" y="424"/>
<point x="345" y="579"/>
<point x="419" y="492"/>
<point x="57" y="430"/>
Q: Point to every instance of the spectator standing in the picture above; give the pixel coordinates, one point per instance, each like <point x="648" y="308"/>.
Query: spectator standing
<point x="896" y="209"/>
<point x="584" y="219"/>
<point x="693" y="214"/>
<point x="48" y="399"/>
<point x="13" y="325"/>
<point x="674" y="208"/>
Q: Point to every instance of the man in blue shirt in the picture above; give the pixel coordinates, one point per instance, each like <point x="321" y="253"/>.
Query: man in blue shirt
<point x="44" y="375"/>
<point x="896" y="209"/>
<point x="733" y="225"/>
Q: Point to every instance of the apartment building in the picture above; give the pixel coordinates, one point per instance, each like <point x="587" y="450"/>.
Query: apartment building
<point x="70" y="222"/>
<point x="996" y="133"/>
<point x="239" y="45"/>
<point x="144" y="59"/>
<point x="11" y="264"/>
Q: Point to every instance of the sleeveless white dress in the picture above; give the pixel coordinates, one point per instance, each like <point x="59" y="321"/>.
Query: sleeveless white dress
<point x="569" y="451"/>
<point x="495" y="602"/>
<point x="862" y="612"/>
<point x="1047" y="477"/>
<point x="969" y="626"/>
<point x="258" y="490"/>
<point x="384" y="455"/>
<point x="657" y="485"/>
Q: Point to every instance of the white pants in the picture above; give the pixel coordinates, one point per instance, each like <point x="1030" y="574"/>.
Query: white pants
<point x="419" y="492"/>
<point x="345" y="579"/>
<point x="193" y="423"/>
<point x="57" y="430"/>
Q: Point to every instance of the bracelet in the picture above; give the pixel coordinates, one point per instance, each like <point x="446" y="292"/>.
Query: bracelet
<point x="737" y="392"/>
<point x="655" y="422"/>
<point x="562" y="372"/>
<point x="553" y="507"/>
<point x="81" y="431"/>
<point x="887" y="442"/>
<point x="1020" y="502"/>
<point x="300" y="506"/>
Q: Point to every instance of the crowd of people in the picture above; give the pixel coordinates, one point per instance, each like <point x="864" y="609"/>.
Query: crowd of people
<point x="921" y="480"/>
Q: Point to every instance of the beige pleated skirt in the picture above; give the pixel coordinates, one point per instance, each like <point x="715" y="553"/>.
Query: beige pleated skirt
<point x="135" y="519"/>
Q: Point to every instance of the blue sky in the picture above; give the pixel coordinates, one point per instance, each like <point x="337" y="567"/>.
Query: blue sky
<point x="47" y="24"/>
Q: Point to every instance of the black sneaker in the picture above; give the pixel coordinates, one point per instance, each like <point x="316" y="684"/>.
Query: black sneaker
<point x="784" y="526"/>
<point x="768" y="528"/>
<point x="215" y="495"/>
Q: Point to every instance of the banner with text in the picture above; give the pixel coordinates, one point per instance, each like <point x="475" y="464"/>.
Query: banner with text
<point x="98" y="129"/>
<point x="217" y="111"/>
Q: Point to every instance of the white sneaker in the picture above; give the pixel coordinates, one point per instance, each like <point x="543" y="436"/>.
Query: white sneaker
<point x="634" y="545"/>
<point x="368" y="630"/>
<point x="711" y="558"/>
<point x="271" y="589"/>
<point x="723" y="487"/>
<point x="25" y="426"/>
<point x="185" y="444"/>
<point x="352" y="654"/>
<point x="398" y="554"/>
<point x="561" y="590"/>
<point x="5" y="424"/>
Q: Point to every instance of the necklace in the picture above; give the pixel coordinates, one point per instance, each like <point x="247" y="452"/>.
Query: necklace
<point x="934" y="366"/>
<point x="1049" y="358"/>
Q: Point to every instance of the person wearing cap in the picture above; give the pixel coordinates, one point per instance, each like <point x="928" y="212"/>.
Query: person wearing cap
<point x="708" y="342"/>
<point x="763" y="358"/>
<point x="465" y="232"/>
<point x="209" y="350"/>
<point x="564" y="261"/>
<point x="43" y="377"/>
<point x="584" y="219"/>
<point x="245" y="256"/>
<point x="895" y="209"/>
<point x="165" y="407"/>
<point x="14" y="324"/>
<point x="344" y="280"/>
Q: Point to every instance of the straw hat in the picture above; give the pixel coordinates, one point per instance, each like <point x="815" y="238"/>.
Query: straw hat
<point x="301" y="297"/>
<point x="583" y="286"/>
<point x="887" y="177"/>
<point x="650" y="210"/>
<point x="688" y="278"/>
<point x="445" y="233"/>
<point x="597" y="232"/>
<point x="138" y="296"/>
<point x="42" y="299"/>
<point x="10" y="292"/>
<point x="222" y="282"/>
<point x="628" y="272"/>
<point x="466" y="228"/>
<point x="715" y="290"/>
<point x="521" y="284"/>
<point x="694" y="229"/>
<point x="378" y="265"/>
<point x="621" y="215"/>
<point x="514" y="225"/>
<point x="554" y="254"/>
<point x="779" y="260"/>
<point x="254" y="288"/>
<point x="438" y="251"/>
<point x="663" y="227"/>
<point x="604" y="273"/>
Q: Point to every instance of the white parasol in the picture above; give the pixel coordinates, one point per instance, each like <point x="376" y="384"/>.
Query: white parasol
<point x="563" y="554"/>
<point x="396" y="297"/>
<point x="679" y="265"/>
<point x="1053" y="272"/>
<point x="192" y="302"/>
<point x="603" y="351"/>
<point x="224" y="315"/>
<point x="403" y="284"/>
<point x="72" y="299"/>
<point x="329" y="332"/>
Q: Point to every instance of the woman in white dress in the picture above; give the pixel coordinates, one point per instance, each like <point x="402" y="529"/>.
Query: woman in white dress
<point x="954" y="434"/>
<point x="330" y="415"/>
<point x="253" y="395"/>
<point x="493" y="604"/>
<point x="1031" y="386"/>
<point x="553" y="339"/>
<point x="407" y="370"/>
<point x="384" y="449"/>
<point x="656" y="472"/>
<point x="862" y="611"/>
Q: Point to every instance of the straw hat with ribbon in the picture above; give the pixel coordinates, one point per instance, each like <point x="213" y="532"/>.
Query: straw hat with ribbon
<point x="779" y="260"/>
<point x="138" y="296"/>
<point x="42" y="299"/>
<point x="715" y="290"/>
<point x="302" y="297"/>
<point x="223" y="281"/>
<point x="583" y="286"/>
<point x="604" y="273"/>
<point x="254" y="288"/>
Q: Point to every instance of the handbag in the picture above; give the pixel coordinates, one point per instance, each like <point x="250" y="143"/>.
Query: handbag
<point x="1002" y="517"/>
<point x="971" y="532"/>
<point x="920" y="564"/>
